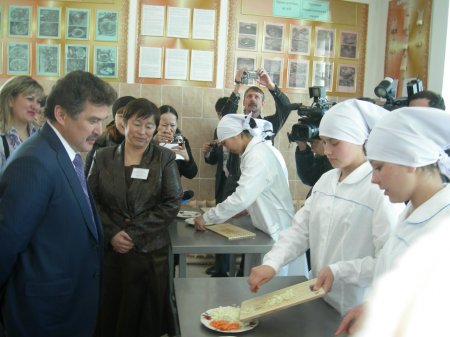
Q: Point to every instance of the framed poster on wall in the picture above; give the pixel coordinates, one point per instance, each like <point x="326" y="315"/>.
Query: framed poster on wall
<point x="49" y="23"/>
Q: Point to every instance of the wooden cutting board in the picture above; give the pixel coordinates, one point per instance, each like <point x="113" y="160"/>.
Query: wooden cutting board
<point x="231" y="232"/>
<point x="279" y="300"/>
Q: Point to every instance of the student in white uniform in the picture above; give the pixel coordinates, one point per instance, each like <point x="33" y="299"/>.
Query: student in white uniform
<point x="406" y="150"/>
<point x="346" y="220"/>
<point x="263" y="186"/>
<point x="410" y="301"/>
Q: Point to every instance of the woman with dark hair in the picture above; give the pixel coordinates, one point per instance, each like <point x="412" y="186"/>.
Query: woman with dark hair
<point x="168" y="135"/>
<point x="114" y="132"/>
<point x="19" y="105"/>
<point x="137" y="190"/>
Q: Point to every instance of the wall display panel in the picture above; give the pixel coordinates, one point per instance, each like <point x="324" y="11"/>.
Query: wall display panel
<point x="181" y="35"/>
<point x="300" y="40"/>
<point x="105" y="62"/>
<point x="49" y="23"/>
<point x="18" y="58"/>
<point x="51" y="38"/>
<point x="47" y="60"/>
<point x="407" y="42"/>
<point x="329" y="52"/>
<point x="274" y="67"/>
<point x="107" y="24"/>
<point x="19" y="18"/>
<point x="298" y="74"/>
<point x="77" y="57"/>
<point x="247" y="36"/>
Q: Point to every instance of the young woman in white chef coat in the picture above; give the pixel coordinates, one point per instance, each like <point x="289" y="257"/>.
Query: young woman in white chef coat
<point x="263" y="186"/>
<point x="346" y="220"/>
<point x="406" y="150"/>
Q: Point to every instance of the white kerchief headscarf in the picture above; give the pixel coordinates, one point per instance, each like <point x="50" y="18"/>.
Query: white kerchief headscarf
<point x="350" y="121"/>
<point x="412" y="136"/>
<point x="233" y="124"/>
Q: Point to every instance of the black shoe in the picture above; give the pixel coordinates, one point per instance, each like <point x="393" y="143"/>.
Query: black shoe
<point x="219" y="275"/>
<point x="211" y="270"/>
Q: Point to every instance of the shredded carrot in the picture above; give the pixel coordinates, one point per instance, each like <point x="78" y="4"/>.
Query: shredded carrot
<point x="223" y="325"/>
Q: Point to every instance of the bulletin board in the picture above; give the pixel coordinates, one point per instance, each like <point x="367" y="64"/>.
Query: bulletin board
<point x="177" y="42"/>
<point x="47" y="39"/>
<point x="407" y="42"/>
<point x="296" y="52"/>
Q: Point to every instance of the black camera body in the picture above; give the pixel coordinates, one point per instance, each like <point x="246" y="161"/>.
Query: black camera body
<point x="384" y="90"/>
<point x="248" y="75"/>
<point x="307" y="127"/>
<point x="178" y="139"/>
<point x="213" y="146"/>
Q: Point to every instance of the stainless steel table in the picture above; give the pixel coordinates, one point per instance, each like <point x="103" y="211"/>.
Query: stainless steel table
<point x="196" y="295"/>
<point x="186" y="240"/>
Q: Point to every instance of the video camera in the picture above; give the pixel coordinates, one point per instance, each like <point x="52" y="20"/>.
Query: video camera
<point x="386" y="90"/>
<point x="307" y="127"/>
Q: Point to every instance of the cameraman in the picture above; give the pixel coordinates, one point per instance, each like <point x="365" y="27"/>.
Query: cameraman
<point x="427" y="98"/>
<point x="254" y="99"/>
<point x="310" y="161"/>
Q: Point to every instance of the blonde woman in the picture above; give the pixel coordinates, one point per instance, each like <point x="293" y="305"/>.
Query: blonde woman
<point x="19" y="105"/>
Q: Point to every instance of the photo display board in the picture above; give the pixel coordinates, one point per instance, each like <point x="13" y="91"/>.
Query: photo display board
<point x="177" y="42"/>
<point x="48" y="39"/>
<point x="407" y="42"/>
<point x="300" y="43"/>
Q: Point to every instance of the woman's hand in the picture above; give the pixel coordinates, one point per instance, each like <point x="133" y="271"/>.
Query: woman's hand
<point x="200" y="223"/>
<point x="325" y="279"/>
<point x="350" y="320"/>
<point x="122" y="243"/>
<point x="258" y="276"/>
<point x="164" y="136"/>
<point x="181" y="150"/>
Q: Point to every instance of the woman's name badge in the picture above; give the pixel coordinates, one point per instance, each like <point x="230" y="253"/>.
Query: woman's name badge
<point x="139" y="173"/>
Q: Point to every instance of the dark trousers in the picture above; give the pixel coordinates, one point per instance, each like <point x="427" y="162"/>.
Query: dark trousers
<point x="222" y="264"/>
<point x="135" y="294"/>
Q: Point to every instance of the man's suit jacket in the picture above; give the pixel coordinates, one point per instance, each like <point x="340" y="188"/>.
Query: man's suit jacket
<point x="50" y="247"/>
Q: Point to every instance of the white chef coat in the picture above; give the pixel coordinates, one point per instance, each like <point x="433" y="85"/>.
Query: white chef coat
<point x="411" y="226"/>
<point x="345" y="224"/>
<point x="263" y="191"/>
<point x="410" y="300"/>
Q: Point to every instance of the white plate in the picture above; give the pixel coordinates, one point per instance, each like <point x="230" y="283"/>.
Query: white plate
<point x="206" y="319"/>
<point x="190" y="221"/>
<point x="188" y="214"/>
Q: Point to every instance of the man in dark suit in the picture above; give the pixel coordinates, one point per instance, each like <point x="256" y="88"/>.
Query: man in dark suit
<point x="51" y="237"/>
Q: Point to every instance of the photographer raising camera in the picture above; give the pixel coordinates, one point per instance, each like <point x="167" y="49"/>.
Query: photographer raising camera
<point x="170" y="136"/>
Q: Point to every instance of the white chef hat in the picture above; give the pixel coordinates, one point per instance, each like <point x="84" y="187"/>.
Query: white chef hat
<point x="412" y="136"/>
<point x="350" y="121"/>
<point x="233" y="124"/>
